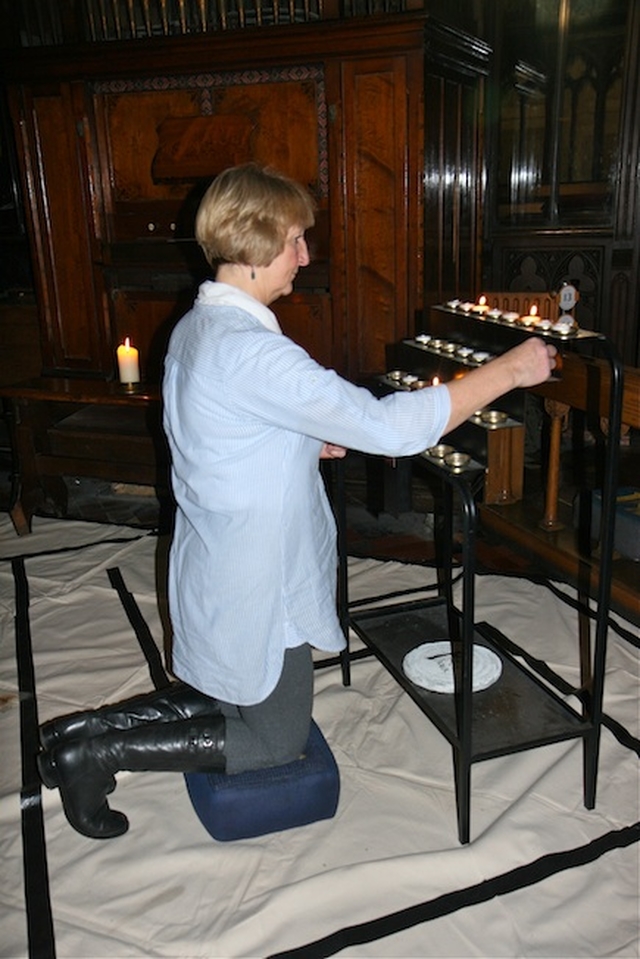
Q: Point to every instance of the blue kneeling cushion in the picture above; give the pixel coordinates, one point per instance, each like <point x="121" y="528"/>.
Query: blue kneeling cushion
<point x="268" y="800"/>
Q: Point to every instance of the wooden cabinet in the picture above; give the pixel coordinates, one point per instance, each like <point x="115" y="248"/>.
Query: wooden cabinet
<point x="118" y="141"/>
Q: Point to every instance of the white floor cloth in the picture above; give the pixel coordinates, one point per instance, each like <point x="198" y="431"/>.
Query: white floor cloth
<point x="167" y="889"/>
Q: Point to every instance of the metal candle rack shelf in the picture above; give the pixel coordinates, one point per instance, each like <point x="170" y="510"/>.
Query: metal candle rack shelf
<point x="518" y="711"/>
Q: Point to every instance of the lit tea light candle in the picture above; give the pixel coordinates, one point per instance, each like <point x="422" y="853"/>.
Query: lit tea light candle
<point x="532" y="318"/>
<point x="128" y="363"/>
<point x="481" y="306"/>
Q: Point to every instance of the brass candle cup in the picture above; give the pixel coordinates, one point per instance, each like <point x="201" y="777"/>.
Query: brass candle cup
<point x="457" y="460"/>
<point x="440" y="450"/>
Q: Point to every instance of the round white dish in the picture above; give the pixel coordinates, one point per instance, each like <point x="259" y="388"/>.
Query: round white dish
<point x="430" y="666"/>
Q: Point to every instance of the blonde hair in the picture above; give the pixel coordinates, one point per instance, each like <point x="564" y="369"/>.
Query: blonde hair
<point x="246" y="213"/>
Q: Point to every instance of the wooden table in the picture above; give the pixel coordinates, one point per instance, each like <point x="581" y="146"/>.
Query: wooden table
<point x="80" y="427"/>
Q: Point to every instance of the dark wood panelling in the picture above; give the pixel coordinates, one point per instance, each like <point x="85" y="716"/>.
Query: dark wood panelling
<point x="455" y="69"/>
<point x="116" y="161"/>
<point x="565" y="225"/>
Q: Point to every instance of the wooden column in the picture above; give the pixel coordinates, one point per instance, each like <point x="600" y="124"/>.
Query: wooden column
<point x="557" y="411"/>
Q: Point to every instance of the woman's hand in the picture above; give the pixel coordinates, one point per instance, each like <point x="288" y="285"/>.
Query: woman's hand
<point x="330" y="451"/>
<point x="531" y="362"/>
<point x="525" y="365"/>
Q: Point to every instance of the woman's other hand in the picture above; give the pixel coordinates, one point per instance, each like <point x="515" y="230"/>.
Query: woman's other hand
<point x="330" y="451"/>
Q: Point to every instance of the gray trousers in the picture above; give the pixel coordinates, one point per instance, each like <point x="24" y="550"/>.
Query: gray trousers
<point x="276" y="730"/>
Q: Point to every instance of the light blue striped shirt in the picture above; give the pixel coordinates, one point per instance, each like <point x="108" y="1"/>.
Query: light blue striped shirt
<point x="253" y="559"/>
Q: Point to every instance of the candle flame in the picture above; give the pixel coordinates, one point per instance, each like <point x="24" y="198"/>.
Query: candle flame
<point x="482" y="301"/>
<point x="533" y="311"/>
<point x="127" y="343"/>
<point x="435" y="381"/>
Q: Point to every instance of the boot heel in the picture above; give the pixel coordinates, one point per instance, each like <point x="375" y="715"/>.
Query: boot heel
<point x="49" y="772"/>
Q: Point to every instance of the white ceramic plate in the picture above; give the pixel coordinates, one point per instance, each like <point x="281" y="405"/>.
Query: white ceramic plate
<point x="430" y="667"/>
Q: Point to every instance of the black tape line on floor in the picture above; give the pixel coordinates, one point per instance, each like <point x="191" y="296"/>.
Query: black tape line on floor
<point x="507" y="882"/>
<point x="40" y="932"/>
<point x="60" y="550"/>
<point x="147" y="644"/>
<point x="624" y="737"/>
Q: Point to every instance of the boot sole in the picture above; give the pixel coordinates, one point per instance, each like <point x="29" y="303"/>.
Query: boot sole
<point x="117" y="825"/>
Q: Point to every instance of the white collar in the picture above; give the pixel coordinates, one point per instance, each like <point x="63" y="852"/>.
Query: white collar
<point x="215" y="293"/>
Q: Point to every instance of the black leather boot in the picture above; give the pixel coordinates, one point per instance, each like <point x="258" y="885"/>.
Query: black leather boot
<point x="84" y="769"/>
<point x="90" y="815"/>
<point x="177" y="701"/>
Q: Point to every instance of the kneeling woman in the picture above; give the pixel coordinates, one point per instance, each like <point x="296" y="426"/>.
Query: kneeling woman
<point x="252" y="573"/>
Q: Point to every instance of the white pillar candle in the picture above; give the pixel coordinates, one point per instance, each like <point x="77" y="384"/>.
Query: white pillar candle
<point x="128" y="364"/>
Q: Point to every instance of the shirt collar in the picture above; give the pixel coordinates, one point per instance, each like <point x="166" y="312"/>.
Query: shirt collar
<point x="214" y="293"/>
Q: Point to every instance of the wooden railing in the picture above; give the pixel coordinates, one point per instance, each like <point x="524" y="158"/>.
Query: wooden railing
<point x="36" y="23"/>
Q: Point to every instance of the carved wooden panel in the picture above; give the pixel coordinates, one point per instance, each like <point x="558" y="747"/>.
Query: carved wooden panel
<point x="62" y="226"/>
<point x="528" y="266"/>
<point x="166" y="138"/>
<point x="377" y="229"/>
<point x="193" y="148"/>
